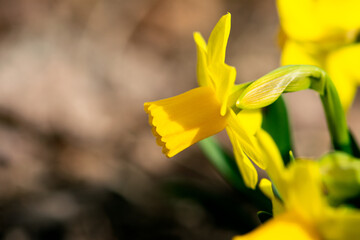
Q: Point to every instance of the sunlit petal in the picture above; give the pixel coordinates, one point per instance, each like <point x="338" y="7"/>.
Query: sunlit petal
<point x="218" y="40"/>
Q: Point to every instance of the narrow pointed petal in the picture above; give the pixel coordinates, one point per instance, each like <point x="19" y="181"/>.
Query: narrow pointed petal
<point x="247" y="169"/>
<point x="223" y="76"/>
<point x="218" y="40"/>
<point x="245" y="141"/>
<point x="202" y="62"/>
<point x="272" y="157"/>
<point x="266" y="187"/>
<point x="252" y="119"/>
<point x="179" y="122"/>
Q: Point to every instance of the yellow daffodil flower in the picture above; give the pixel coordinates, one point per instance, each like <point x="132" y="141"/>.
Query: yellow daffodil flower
<point x="318" y="32"/>
<point x="179" y="122"/>
<point x="303" y="211"/>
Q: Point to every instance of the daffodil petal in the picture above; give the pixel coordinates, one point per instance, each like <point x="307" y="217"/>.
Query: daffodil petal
<point x="303" y="179"/>
<point x="272" y="157"/>
<point x="307" y="20"/>
<point x="266" y="187"/>
<point x="247" y="142"/>
<point x="201" y="69"/>
<point x="343" y="66"/>
<point x="297" y="53"/>
<point x="223" y="76"/>
<point x="252" y="119"/>
<point x="343" y="14"/>
<point x="218" y="40"/>
<point x="247" y="169"/>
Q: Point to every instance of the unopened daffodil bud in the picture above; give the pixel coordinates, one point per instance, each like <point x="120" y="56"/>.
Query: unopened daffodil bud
<point x="268" y="88"/>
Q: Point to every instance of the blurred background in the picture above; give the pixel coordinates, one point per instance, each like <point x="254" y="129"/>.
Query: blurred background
<point x="77" y="157"/>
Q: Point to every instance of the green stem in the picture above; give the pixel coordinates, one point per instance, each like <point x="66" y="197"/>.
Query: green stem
<point x="335" y="117"/>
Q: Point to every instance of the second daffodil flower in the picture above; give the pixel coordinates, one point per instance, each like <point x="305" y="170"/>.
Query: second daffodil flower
<point x="300" y="206"/>
<point x="325" y="34"/>
<point x="180" y="121"/>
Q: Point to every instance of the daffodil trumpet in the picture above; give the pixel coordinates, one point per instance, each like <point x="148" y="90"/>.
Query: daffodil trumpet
<point x="292" y="78"/>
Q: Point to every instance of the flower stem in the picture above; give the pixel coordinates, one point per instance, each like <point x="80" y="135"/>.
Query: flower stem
<point x="335" y="117"/>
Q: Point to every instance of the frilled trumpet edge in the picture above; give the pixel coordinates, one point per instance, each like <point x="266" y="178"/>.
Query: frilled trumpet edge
<point x="180" y="121"/>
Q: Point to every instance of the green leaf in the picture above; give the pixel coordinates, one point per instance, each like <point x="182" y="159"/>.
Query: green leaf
<point x="354" y="146"/>
<point x="276" y="115"/>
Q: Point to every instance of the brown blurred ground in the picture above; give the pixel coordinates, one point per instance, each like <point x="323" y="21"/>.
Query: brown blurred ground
<point x="77" y="158"/>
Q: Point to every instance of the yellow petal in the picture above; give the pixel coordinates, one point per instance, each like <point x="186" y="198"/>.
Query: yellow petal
<point x="252" y="119"/>
<point x="272" y="157"/>
<point x="343" y="67"/>
<point x="218" y="40"/>
<point x="302" y="190"/>
<point x="315" y="21"/>
<point x="223" y="76"/>
<point x="287" y="226"/>
<point x="297" y="53"/>
<point x="244" y="140"/>
<point x="179" y="122"/>
<point x="201" y="69"/>
<point x="342" y="14"/>
<point x="300" y="20"/>
<point x="274" y="168"/>
<point x="247" y="169"/>
<point x="266" y="187"/>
